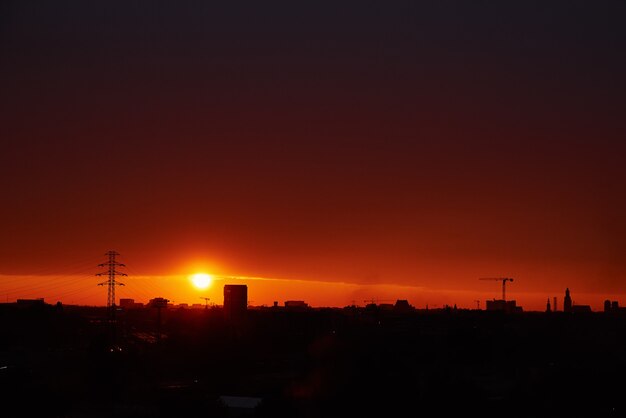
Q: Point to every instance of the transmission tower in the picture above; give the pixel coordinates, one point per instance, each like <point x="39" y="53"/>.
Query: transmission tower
<point x="111" y="282"/>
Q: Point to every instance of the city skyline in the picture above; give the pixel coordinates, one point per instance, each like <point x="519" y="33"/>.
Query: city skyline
<point x="185" y="289"/>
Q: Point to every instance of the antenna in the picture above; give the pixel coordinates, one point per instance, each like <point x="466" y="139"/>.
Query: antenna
<point x="111" y="282"/>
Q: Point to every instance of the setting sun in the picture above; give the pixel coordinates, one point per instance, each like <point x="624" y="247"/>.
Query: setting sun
<point x="201" y="280"/>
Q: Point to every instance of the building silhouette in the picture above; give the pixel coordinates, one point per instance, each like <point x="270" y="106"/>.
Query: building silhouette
<point x="402" y="305"/>
<point x="567" y="302"/>
<point x="581" y="308"/>
<point x="509" y="306"/>
<point x="159" y="303"/>
<point x="568" y="306"/>
<point x="235" y="301"/>
<point x="296" y="304"/>
<point x="613" y="307"/>
<point x="126" y="303"/>
<point x="29" y="303"/>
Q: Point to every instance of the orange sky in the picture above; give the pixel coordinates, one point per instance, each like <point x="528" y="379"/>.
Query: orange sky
<point x="417" y="144"/>
<point x="82" y="289"/>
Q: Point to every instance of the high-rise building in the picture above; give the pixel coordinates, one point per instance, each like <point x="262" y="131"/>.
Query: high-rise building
<point x="567" y="302"/>
<point x="235" y="301"/>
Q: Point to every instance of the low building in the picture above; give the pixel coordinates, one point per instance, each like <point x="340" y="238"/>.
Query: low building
<point x="159" y="303"/>
<point x="499" y="305"/>
<point x="403" y="305"/>
<point x="29" y="303"/>
<point x="129" y="304"/>
<point x="296" y="304"/>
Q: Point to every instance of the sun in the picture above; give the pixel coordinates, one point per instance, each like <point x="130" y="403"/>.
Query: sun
<point x="201" y="280"/>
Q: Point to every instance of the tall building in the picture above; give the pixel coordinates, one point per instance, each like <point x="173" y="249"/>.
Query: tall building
<point x="567" y="302"/>
<point x="235" y="301"/>
<point x="548" y="309"/>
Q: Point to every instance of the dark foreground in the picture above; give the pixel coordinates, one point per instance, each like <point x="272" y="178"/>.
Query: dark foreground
<point x="70" y="362"/>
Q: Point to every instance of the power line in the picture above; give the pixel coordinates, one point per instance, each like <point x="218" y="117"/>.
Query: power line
<point x="147" y="283"/>
<point x="46" y="286"/>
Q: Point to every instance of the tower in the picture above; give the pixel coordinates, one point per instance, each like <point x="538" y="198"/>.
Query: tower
<point x="111" y="281"/>
<point x="235" y="301"/>
<point x="567" y="302"/>
<point x="548" y="306"/>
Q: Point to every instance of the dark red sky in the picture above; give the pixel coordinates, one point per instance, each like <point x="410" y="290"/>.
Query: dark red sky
<point x="422" y="143"/>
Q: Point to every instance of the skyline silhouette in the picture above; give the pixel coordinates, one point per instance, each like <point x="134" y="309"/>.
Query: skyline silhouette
<point x="159" y="360"/>
<point x="143" y="290"/>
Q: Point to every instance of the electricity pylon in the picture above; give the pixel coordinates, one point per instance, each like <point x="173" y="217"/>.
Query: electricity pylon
<point x="111" y="281"/>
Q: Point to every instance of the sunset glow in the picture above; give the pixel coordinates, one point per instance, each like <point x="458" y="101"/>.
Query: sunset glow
<point x="201" y="280"/>
<point x="312" y="209"/>
<point x="350" y="163"/>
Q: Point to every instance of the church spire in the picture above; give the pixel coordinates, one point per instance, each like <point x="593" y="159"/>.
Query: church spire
<point x="567" y="302"/>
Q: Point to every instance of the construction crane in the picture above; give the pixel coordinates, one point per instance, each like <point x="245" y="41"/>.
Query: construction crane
<point x="500" y="279"/>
